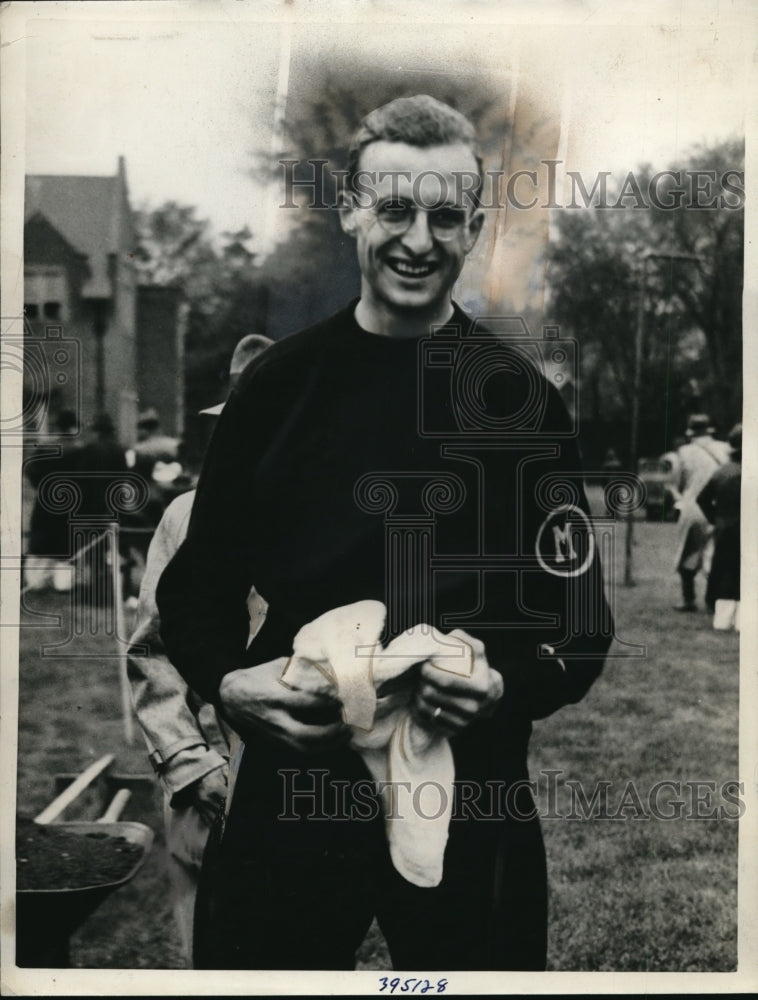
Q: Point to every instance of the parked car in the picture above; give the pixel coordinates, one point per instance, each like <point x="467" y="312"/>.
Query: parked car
<point x="659" y="476"/>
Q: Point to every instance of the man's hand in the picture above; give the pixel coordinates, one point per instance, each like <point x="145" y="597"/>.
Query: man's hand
<point x="448" y="702"/>
<point x="208" y="794"/>
<point x="256" y="698"/>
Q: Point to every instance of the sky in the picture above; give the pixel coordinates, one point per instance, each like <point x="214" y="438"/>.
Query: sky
<point x="186" y="91"/>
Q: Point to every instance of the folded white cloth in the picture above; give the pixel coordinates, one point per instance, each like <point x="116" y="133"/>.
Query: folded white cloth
<point x="341" y="649"/>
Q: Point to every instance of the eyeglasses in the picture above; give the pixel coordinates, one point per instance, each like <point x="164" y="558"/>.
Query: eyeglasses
<point x="396" y="217"/>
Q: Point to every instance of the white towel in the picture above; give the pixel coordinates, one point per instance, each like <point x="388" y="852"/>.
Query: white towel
<point x="341" y="649"/>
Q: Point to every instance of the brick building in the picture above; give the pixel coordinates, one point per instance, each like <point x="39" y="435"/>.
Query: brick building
<point x="95" y="340"/>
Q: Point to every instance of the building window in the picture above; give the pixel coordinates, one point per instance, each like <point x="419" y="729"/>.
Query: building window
<point x="48" y="289"/>
<point x="31" y="310"/>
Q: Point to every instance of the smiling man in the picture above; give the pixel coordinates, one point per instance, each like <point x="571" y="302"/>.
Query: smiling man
<point x="414" y="224"/>
<point x="328" y="430"/>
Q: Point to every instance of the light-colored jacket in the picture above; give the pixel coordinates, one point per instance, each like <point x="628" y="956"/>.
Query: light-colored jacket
<point x="185" y="738"/>
<point x="698" y="460"/>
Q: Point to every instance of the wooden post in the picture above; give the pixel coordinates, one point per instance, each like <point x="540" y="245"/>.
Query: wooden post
<point x="634" y="435"/>
<point x="67" y="796"/>
<point x="116" y="806"/>
<point x="123" y="677"/>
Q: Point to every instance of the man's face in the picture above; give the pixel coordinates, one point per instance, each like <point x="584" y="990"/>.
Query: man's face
<point x="425" y="188"/>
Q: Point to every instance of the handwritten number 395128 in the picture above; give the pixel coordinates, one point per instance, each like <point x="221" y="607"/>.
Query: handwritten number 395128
<point x="411" y="985"/>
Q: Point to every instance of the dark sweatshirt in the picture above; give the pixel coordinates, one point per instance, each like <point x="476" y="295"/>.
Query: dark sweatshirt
<point x="341" y="449"/>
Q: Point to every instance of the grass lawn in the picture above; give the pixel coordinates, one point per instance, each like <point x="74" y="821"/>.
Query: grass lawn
<point x="634" y="893"/>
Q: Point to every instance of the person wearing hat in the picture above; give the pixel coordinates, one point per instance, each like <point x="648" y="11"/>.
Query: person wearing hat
<point x="188" y="746"/>
<point x="720" y="502"/>
<point x="154" y="449"/>
<point x="149" y="433"/>
<point x="156" y="458"/>
<point x="698" y="460"/>
<point x="101" y="454"/>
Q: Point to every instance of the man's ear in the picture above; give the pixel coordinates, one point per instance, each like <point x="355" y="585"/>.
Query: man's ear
<point x="346" y="209"/>
<point x="473" y="228"/>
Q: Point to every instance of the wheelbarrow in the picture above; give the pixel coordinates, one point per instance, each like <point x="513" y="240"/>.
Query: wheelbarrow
<point x="46" y="918"/>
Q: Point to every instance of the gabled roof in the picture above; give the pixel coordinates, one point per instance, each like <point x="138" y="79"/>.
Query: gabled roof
<point x="42" y="237"/>
<point x="91" y="213"/>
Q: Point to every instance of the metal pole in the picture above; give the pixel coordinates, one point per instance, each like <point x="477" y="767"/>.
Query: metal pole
<point x="634" y="435"/>
<point x="99" y="331"/>
<point x="123" y="676"/>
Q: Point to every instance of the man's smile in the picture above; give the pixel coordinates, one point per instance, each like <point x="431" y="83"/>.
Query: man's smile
<point x="408" y="269"/>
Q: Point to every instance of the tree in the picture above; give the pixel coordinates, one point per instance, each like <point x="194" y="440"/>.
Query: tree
<point x="692" y="317"/>
<point x="173" y="246"/>
<point x="713" y="301"/>
<point x="224" y="291"/>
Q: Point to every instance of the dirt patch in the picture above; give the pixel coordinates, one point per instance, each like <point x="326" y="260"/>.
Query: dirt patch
<point x="50" y="858"/>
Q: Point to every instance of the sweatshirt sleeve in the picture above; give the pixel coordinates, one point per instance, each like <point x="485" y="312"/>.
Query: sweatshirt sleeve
<point x="202" y="593"/>
<point x="547" y="668"/>
<point x="540" y="683"/>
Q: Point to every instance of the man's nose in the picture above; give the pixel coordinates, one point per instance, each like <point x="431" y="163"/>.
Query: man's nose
<point x="418" y="237"/>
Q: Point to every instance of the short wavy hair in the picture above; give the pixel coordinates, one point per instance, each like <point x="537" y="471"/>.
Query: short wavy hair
<point x="421" y="121"/>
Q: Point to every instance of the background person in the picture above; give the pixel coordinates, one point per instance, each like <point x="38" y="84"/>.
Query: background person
<point x="720" y="502"/>
<point x="47" y="561"/>
<point x="188" y="746"/>
<point x="157" y="458"/>
<point x="101" y="462"/>
<point x="152" y="444"/>
<point x="698" y="460"/>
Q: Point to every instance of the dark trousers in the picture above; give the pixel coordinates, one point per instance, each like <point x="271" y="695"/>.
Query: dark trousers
<point x="724" y="578"/>
<point x="302" y="894"/>
<point x="688" y="585"/>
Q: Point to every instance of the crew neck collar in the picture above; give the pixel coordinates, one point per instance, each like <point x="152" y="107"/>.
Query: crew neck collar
<point x="458" y="317"/>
